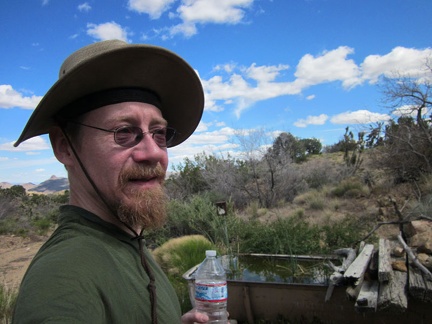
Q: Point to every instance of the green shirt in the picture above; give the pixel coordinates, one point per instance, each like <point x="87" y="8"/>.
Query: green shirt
<point x="89" y="271"/>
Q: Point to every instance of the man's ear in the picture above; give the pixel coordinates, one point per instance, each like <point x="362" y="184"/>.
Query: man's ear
<point x="61" y="147"/>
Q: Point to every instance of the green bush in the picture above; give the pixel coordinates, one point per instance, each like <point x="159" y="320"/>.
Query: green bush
<point x="317" y="202"/>
<point x="341" y="234"/>
<point x="8" y="298"/>
<point x="23" y="214"/>
<point x="198" y="215"/>
<point x="176" y="257"/>
<point x="42" y="225"/>
<point x="349" y="188"/>
<point x="283" y="236"/>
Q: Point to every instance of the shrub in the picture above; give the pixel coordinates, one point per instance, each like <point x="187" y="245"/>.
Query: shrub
<point x="321" y="172"/>
<point x="313" y="199"/>
<point x="341" y="234"/>
<point x="349" y="188"/>
<point x="198" y="215"/>
<point x="42" y="225"/>
<point x="177" y="256"/>
<point x="8" y="298"/>
<point x="283" y="236"/>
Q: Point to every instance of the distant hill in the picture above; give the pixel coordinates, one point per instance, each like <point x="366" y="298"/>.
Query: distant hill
<point x="5" y="185"/>
<point x="26" y="186"/>
<point x="52" y="185"/>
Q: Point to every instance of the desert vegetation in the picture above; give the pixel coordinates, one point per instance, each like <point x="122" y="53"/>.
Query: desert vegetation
<point x="282" y="195"/>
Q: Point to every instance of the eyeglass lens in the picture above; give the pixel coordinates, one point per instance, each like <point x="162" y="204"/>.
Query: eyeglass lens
<point x="129" y="136"/>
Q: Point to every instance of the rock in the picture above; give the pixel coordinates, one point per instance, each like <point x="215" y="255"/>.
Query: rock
<point x="422" y="257"/>
<point x="425" y="259"/>
<point x="422" y="241"/>
<point x="418" y="227"/>
<point x="426" y="247"/>
<point x="398" y="251"/>
<point x="420" y="234"/>
<point x="399" y="266"/>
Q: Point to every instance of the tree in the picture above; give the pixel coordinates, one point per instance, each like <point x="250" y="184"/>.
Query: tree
<point x="311" y="145"/>
<point x="15" y="191"/>
<point x="187" y="178"/>
<point x="406" y="146"/>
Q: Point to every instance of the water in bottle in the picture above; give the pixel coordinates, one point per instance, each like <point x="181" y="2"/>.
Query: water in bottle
<point x="211" y="293"/>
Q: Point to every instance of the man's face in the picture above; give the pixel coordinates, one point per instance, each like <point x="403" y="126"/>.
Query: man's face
<point x="130" y="179"/>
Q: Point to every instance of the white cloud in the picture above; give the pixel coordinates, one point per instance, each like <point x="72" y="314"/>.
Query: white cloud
<point x="312" y="120"/>
<point x="228" y="67"/>
<point x="213" y="11"/>
<point x="33" y="144"/>
<point x="408" y="110"/>
<point x="85" y="7"/>
<point x="154" y="8"/>
<point x="328" y="67"/>
<point x="22" y="171"/>
<point x="106" y="31"/>
<point x="193" y="12"/>
<point x="186" y="29"/>
<point x="245" y="86"/>
<point x="263" y="74"/>
<point x="242" y="87"/>
<point x="311" y="97"/>
<point x="10" y="98"/>
<point x="400" y="61"/>
<point x="359" y="117"/>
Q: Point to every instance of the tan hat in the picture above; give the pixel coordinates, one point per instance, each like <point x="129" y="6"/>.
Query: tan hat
<point x="115" y="64"/>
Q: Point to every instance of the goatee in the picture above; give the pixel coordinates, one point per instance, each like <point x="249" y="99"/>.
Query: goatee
<point x="143" y="208"/>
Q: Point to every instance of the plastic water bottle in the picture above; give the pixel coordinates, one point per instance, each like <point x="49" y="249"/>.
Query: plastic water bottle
<point x="211" y="293"/>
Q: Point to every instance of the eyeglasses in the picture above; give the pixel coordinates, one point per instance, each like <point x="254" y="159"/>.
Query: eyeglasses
<point x="129" y="136"/>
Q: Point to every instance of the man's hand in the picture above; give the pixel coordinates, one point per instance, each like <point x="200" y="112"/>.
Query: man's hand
<point x="193" y="316"/>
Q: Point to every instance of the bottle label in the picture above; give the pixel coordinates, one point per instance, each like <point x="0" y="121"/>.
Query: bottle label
<point x="211" y="292"/>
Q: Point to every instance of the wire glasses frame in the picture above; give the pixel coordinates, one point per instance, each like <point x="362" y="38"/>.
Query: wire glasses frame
<point x="129" y="136"/>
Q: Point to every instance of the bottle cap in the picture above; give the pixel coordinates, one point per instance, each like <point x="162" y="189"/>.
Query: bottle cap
<point x="210" y="253"/>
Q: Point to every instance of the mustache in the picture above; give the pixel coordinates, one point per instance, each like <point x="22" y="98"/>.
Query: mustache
<point x="142" y="172"/>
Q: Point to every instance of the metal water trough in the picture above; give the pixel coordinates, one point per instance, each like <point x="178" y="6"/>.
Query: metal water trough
<point x="252" y="301"/>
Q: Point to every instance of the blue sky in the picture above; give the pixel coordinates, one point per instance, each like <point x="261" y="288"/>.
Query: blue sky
<point x="308" y="67"/>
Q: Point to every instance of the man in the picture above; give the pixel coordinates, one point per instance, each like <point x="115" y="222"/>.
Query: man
<point x="111" y="116"/>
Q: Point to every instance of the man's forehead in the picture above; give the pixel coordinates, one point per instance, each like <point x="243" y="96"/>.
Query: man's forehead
<point x="125" y="111"/>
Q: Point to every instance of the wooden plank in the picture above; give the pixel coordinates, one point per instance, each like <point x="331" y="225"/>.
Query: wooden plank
<point x="367" y="299"/>
<point x="353" y="291"/>
<point x="392" y="296"/>
<point x="416" y="287"/>
<point x="428" y="292"/>
<point x="420" y="286"/>
<point x="358" y="268"/>
<point x="384" y="261"/>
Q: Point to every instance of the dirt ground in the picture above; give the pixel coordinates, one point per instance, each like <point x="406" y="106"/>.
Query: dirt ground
<point x="15" y="256"/>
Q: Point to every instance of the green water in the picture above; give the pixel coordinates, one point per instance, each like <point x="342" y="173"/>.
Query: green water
<point x="277" y="269"/>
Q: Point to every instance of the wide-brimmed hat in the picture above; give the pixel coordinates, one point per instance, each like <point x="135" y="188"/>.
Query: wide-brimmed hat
<point x="115" y="64"/>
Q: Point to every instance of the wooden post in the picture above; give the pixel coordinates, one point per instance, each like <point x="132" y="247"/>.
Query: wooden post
<point x="368" y="297"/>
<point x="384" y="261"/>
<point x="358" y="268"/>
<point x="419" y="286"/>
<point x="392" y="295"/>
